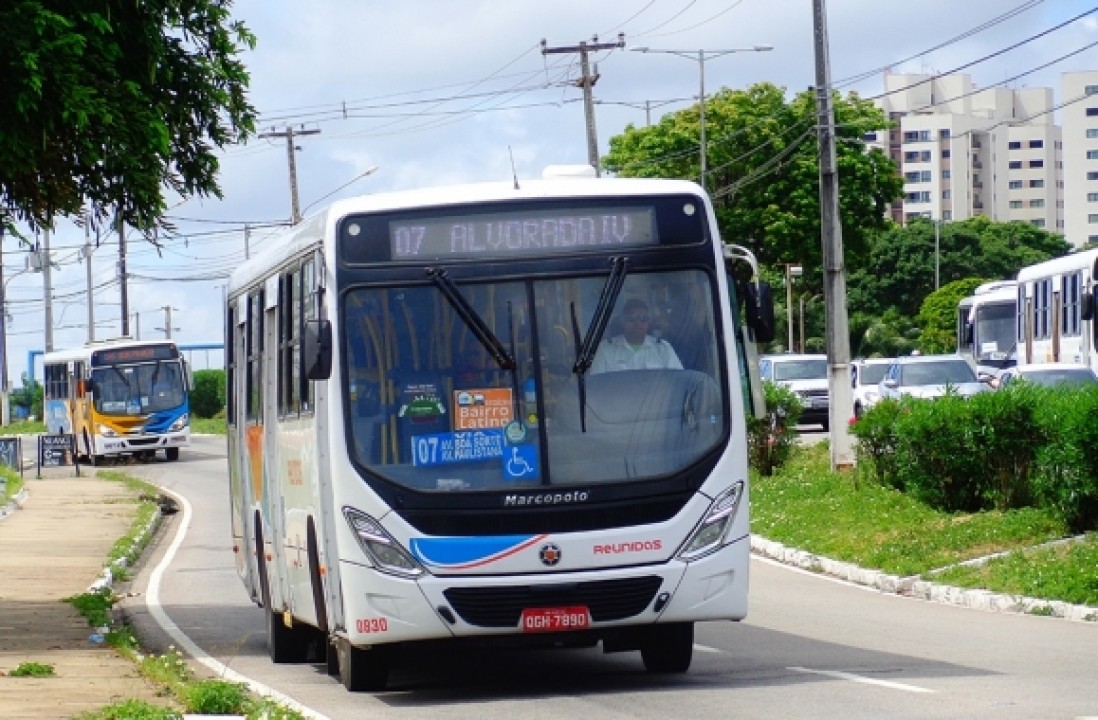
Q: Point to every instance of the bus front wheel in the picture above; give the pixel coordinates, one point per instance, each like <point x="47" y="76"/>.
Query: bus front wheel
<point x="668" y="648"/>
<point x="172" y="454"/>
<point x="364" y="670"/>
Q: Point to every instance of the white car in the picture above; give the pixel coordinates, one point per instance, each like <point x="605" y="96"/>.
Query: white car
<point x="1072" y="374"/>
<point x="865" y="376"/>
<point x="930" y="376"/>
<point x="805" y="375"/>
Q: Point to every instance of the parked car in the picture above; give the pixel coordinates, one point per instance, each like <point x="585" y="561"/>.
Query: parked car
<point x="865" y="376"/>
<point x="930" y="376"/>
<point x="805" y="375"/>
<point x="1047" y="374"/>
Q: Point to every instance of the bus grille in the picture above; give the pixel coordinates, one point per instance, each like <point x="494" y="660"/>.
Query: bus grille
<point x="501" y="607"/>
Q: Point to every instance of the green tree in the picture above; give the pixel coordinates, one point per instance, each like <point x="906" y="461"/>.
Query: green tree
<point x="111" y="103"/>
<point x="208" y="396"/>
<point x="938" y="315"/>
<point x="763" y="174"/>
<point x="899" y="270"/>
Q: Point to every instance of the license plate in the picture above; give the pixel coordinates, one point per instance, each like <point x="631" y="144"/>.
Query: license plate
<point x="555" y="619"/>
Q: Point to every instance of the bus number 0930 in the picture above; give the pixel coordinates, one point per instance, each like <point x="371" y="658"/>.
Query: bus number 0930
<point x="372" y="625"/>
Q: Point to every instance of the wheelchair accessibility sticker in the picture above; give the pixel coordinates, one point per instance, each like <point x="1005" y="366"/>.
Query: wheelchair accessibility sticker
<point x="520" y="462"/>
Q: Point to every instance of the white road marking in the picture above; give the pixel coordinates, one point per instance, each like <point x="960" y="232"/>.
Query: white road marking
<point x="707" y="649"/>
<point x="862" y="679"/>
<point x="224" y="672"/>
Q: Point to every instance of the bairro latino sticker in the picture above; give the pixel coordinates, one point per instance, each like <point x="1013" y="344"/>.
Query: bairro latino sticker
<point x="483" y="408"/>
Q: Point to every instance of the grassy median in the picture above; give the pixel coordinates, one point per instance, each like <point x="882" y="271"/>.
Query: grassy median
<point x="849" y="517"/>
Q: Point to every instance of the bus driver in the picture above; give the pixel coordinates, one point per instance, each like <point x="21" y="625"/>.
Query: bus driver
<point x="635" y="349"/>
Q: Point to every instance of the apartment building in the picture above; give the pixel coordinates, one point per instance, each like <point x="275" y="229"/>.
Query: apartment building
<point x="965" y="151"/>
<point x="1079" y="119"/>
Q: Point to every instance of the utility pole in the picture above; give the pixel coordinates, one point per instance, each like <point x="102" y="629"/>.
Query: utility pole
<point x="587" y="81"/>
<point x="289" y="133"/>
<point x="88" y="267"/>
<point x="123" y="293"/>
<point x="48" y="288"/>
<point x="837" y="325"/>
<point x="167" y="321"/>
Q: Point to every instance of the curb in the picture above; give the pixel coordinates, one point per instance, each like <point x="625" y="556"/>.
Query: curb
<point x="105" y="581"/>
<point x="16" y="503"/>
<point x="921" y="589"/>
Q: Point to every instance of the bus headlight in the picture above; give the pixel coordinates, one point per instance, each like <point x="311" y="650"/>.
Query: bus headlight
<point x="183" y="421"/>
<point x="383" y="552"/>
<point x="105" y="431"/>
<point x="712" y="533"/>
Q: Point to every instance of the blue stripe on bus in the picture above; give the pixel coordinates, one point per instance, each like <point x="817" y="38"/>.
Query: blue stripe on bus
<point x="466" y="552"/>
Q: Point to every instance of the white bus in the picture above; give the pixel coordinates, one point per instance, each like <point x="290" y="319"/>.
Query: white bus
<point x="419" y="449"/>
<point x="985" y="326"/>
<point x="1055" y="321"/>
<point x="119" y="397"/>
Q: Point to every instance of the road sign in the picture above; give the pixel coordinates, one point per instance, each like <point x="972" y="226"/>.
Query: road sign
<point x="11" y="452"/>
<point x="55" y="450"/>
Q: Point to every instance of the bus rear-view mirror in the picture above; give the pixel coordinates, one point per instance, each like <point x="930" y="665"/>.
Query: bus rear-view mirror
<point x="760" y="311"/>
<point x="318" y="349"/>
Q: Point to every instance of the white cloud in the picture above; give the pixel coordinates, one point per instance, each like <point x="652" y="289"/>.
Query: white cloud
<point x="376" y="57"/>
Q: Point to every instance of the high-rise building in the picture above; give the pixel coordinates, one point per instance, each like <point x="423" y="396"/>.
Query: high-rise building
<point x="965" y="151"/>
<point x="1079" y="118"/>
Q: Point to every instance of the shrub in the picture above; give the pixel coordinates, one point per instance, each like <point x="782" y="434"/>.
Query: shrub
<point x="1066" y="476"/>
<point x="208" y="396"/>
<point x="771" y="438"/>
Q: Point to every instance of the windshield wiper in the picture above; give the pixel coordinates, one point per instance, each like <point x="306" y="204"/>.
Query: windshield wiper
<point x="471" y="318"/>
<point x="585" y="353"/>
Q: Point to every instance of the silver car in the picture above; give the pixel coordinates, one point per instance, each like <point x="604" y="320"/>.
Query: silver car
<point x="930" y="376"/>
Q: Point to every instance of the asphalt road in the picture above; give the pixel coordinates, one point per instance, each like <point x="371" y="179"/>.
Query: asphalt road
<point x="811" y="647"/>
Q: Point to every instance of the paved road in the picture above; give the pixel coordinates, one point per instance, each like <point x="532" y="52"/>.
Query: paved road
<point x="811" y="648"/>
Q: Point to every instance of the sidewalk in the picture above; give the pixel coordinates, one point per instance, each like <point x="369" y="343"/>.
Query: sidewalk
<point x="53" y="548"/>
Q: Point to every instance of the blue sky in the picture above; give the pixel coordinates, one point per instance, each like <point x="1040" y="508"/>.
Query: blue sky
<point x="438" y="91"/>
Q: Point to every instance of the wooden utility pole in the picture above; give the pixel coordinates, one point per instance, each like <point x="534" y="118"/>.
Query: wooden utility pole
<point x="831" y="236"/>
<point x="586" y="82"/>
<point x="289" y="133"/>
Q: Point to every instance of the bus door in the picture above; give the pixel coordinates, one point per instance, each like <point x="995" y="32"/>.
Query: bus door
<point x="240" y="486"/>
<point x="267" y="423"/>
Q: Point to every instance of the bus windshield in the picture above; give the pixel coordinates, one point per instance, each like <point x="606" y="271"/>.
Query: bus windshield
<point x="431" y="409"/>
<point x="137" y="389"/>
<point x="995" y="328"/>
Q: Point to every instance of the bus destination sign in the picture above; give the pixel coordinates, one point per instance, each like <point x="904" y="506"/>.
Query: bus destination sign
<point x="525" y="233"/>
<point x="145" y="353"/>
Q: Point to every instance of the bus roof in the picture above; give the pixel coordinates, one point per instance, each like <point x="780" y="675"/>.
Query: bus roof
<point x="313" y="229"/>
<point x="1083" y="260"/>
<point x="84" y="351"/>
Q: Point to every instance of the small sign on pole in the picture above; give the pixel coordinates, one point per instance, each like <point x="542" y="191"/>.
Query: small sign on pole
<point x="11" y="452"/>
<point x="56" y="451"/>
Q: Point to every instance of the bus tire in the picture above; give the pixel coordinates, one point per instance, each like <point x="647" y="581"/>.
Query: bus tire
<point x="364" y="670"/>
<point x="668" y="648"/>
<point x="172" y="454"/>
<point x="284" y="644"/>
<point x="96" y="460"/>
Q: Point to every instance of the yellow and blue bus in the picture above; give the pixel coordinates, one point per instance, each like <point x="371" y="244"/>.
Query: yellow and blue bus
<point x="119" y="397"/>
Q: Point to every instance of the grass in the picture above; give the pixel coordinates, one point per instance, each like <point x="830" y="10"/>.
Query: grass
<point x="32" y="670"/>
<point x="10" y="485"/>
<point x="182" y="690"/>
<point x="807" y="506"/>
<point x="208" y="426"/>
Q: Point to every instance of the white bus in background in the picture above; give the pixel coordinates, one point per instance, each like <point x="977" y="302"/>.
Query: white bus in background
<point x="1055" y="301"/>
<point x="986" y="326"/>
<point x="419" y="451"/>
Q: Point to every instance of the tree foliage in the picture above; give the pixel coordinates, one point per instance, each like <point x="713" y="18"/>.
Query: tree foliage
<point x="208" y="397"/>
<point x="899" y="271"/>
<point x="106" y="105"/>
<point x="938" y="315"/>
<point x="763" y="170"/>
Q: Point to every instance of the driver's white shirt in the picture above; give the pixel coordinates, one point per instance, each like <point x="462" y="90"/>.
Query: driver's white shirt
<point x="617" y="354"/>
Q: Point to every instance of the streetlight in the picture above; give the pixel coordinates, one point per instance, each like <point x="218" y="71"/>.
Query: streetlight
<point x="791" y="271"/>
<point x="700" y="56"/>
<point x="5" y="417"/>
<point x="356" y="178"/>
